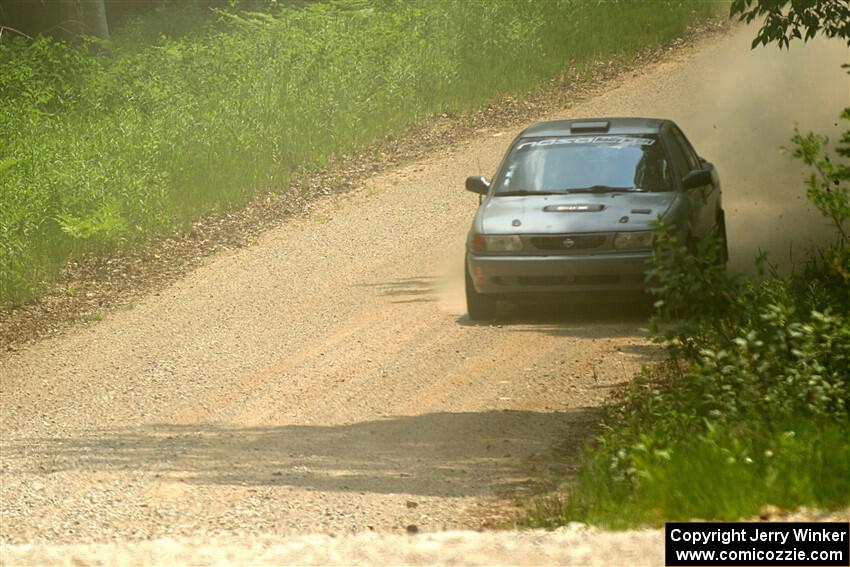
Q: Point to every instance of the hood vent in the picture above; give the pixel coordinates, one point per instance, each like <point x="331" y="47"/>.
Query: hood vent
<point x="595" y="208"/>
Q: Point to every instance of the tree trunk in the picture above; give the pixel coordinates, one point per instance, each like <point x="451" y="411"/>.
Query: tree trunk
<point x="87" y="17"/>
<point x="96" y="17"/>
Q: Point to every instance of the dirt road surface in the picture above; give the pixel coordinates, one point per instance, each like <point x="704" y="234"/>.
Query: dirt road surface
<point x="326" y="380"/>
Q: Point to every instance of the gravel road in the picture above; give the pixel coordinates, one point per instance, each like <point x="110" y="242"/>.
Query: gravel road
<point x="326" y="380"/>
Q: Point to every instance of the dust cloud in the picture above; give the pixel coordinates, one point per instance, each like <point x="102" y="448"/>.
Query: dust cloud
<point x="741" y="116"/>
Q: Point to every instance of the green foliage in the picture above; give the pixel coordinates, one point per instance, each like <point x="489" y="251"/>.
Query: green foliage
<point x="828" y="189"/>
<point x="786" y="20"/>
<point x="722" y="474"/>
<point x="107" y="144"/>
<point x="751" y="408"/>
<point x="105" y="224"/>
<point x="680" y="273"/>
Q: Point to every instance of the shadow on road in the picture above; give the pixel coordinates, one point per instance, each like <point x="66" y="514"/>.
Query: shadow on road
<point x="587" y="315"/>
<point x="612" y="309"/>
<point x="594" y="319"/>
<point x="438" y="454"/>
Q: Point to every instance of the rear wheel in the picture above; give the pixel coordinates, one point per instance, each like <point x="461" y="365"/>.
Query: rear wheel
<point x="479" y="306"/>
<point x="723" y="256"/>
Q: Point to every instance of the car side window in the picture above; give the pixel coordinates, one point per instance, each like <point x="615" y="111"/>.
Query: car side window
<point x="679" y="156"/>
<point x="690" y="154"/>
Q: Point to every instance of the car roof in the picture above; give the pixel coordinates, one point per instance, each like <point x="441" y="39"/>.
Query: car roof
<point x="615" y="126"/>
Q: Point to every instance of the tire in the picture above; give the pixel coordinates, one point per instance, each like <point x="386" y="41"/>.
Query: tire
<point x="723" y="257"/>
<point x="692" y="244"/>
<point x="479" y="306"/>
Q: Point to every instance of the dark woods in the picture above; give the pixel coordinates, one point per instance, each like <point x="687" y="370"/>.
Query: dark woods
<point x="65" y="19"/>
<point x="68" y="19"/>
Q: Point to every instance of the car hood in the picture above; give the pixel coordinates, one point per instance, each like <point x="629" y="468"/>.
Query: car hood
<point x="602" y="213"/>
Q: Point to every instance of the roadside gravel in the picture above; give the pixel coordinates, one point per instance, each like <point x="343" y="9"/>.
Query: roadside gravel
<point x="572" y="546"/>
<point x="575" y="544"/>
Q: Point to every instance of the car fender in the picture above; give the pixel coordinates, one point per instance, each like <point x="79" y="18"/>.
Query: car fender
<point x="680" y="214"/>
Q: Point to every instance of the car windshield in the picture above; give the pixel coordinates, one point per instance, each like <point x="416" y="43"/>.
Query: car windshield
<point x="594" y="164"/>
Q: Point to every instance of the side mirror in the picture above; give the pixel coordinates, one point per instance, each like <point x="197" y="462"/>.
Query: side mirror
<point x="697" y="178"/>
<point x="477" y="184"/>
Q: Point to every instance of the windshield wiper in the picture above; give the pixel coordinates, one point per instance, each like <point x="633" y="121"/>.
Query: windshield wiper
<point x="602" y="189"/>
<point x="523" y="193"/>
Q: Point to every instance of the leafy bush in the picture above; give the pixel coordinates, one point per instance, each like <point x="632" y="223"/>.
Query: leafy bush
<point x="692" y="289"/>
<point x="108" y="143"/>
<point x="764" y="346"/>
<point x="828" y="189"/>
<point x="751" y="408"/>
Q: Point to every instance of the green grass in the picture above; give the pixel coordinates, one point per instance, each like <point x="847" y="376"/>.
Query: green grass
<point x="106" y="145"/>
<point x="724" y="475"/>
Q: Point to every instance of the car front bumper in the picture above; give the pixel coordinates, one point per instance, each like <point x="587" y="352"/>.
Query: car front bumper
<point x="504" y="275"/>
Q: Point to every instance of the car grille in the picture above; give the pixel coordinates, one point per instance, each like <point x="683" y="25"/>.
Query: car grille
<point x="561" y="242"/>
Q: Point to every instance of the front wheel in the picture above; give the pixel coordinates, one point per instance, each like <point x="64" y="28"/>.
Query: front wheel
<point x="479" y="306"/>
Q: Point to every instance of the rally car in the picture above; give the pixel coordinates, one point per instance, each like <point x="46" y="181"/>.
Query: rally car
<point x="570" y="207"/>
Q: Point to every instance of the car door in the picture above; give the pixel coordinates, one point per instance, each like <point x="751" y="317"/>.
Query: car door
<point x="702" y="200"/>
<point x="711" y="192"/>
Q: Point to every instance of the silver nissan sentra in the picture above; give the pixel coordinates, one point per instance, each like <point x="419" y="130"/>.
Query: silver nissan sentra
<point x="569" y="209"/>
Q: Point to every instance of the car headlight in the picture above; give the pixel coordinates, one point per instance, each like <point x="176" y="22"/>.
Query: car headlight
<point x="501" y="243"/>
<point x="633" y="240"/>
